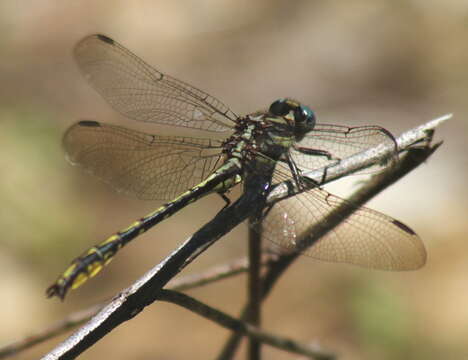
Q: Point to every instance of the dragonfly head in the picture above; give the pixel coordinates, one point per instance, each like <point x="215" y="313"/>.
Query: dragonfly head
<point x="301" y="117"/>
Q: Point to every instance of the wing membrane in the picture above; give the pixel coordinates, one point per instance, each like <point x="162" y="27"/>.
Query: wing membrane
<point x="142" y="93"/>
<point x="366" y="237"/>
<point x="148" y="166"/>
<point x="341" y="142"/>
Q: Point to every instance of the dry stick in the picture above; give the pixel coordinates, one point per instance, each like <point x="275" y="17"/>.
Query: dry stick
<point x="234" y="324"/>
<point x="143" y="292"/>
<point x="216" y="273"/>
<point x="254" y="284"/>
<point x="410" y="161"/>
<point x="70" y="322"/>
<point x="185" y="282"/>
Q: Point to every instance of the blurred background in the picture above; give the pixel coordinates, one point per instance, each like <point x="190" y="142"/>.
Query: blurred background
<point x="396" y="64"/>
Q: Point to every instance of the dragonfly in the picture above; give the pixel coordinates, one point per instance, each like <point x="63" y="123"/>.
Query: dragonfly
<point x="280" y="143"/>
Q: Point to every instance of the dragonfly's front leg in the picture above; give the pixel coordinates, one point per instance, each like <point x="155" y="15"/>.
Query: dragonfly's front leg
<point x="315" y="152"/>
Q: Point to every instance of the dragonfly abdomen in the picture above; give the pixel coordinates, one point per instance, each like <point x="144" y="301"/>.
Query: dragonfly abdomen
<point x="98" y="256"/>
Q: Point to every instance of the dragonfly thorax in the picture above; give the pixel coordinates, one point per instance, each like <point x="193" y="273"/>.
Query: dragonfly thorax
<point x="270" y="134"/>
<point x="275" y="131"/>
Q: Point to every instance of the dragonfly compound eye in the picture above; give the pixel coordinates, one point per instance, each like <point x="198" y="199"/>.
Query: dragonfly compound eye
<point x="280" y="108"/>
<point x="303" y="114"/>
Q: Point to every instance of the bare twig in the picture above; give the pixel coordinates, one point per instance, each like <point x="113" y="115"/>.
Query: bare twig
<point x="364" y="159"/>
<point x="414" y="157"/>
<point x="145" y="291"/>
<point x="77" y="318"/>
<point x="211" y="275"/>
<point x="216" y="273"/>
<point x="134" y="299"/>
<point x="233" y="324"/>
<point x="254" y="284"/>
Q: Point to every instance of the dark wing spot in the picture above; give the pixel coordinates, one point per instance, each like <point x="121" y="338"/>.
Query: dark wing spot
<point x="403" y="227"/>
<point x="105" y="39"/>
<point x="90" y="123"/>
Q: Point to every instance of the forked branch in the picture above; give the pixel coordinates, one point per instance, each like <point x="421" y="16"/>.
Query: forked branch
<point x="417" y="145"/>
<point x="146" y="290"/>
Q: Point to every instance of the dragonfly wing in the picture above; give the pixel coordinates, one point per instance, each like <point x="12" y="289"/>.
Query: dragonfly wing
<point x="133" y="162"/>
<point x="142" y="93"/>
<point x="366" y="237"/>
<point x="341" y="142"/>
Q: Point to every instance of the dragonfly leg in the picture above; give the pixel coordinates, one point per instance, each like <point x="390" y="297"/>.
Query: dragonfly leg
<point x="226" y="199"/>
<point x="315" y="152"/>
<point x="296" y="173"/>
<point x="225" y="186"/>
<point x="303" y="182"/>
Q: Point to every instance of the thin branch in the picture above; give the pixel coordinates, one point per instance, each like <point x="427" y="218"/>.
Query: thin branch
<point x="144" y="291"/>
<point x="233" y="324"/>
<point x="254" y="284"/>
<point x="409" y="162"/>
<point x="75" y="319"/>
<point x="216" y="273"/>
<point x="132" y="300"/>
<point x="364" y="159"/>
<point x="415" y="156"/>
<point x="379" y="153"/>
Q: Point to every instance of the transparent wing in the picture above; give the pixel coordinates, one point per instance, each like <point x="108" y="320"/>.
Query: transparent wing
<point x="142" y="93"/>
<point x="366" y="238"/>
<point x="341" y="142"/>
<point x="148" y="166"/>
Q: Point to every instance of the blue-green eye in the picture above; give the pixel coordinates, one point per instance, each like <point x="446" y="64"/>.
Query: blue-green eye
<point x="304" y="114"/>
<point x="308" y="111"/>
<point x="280" y="108"/>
